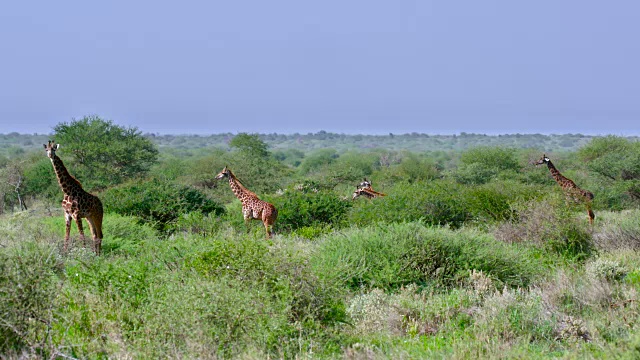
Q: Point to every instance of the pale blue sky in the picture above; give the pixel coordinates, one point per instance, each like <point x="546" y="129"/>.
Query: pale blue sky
<point x="349" y="66"/>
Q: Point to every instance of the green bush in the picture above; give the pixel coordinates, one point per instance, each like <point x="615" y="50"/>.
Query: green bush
<point x="394" y="255"/>
<point x="157" y="203"/>
<point x="284" y="290"/>
<point x="27" y="294"/>
<point x="618" y="231"/>
<point x="124" y="234"/>
<point x="298" y="209"/>
<point x="317" y="159"/>
<point x="438" y="202"/>
<point x="40" y="180"/>
<point x="495" y="200"/>
<point x="481" y="164"/>
<point x="196" y="222"/>
<point x="552" y="225"/>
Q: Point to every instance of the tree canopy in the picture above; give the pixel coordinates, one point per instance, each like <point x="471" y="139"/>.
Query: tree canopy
<point x="250" y="144"/>
<point x="103" y="153"/>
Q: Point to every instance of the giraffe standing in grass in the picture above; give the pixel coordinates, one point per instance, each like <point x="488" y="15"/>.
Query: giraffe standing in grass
<point x="252" y="206"/>
<point x="570" y="188"/>
<point x="77" y="203"/>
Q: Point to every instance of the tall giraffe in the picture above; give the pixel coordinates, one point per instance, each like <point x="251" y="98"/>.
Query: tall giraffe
<point x="77" y="203"/>
<point x="570" y="188"/>
<point x="252" y="206"/>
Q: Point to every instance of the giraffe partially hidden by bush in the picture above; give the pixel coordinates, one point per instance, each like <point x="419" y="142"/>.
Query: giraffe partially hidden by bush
<point x="252" y="206"/>
<point x="570" y="188"/>
<point x="365" y="189"/>
<point x="77" y="203"/>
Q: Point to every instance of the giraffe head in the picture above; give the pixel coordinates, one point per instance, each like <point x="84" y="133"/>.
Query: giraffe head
<point x="224" y="173"/>
<point x="543" y="160"/>
<point x="365" y="184"/>
<point x="51" y="148"/>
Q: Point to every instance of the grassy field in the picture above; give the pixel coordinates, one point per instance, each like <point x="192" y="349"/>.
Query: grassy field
<point x="387" y="290"/>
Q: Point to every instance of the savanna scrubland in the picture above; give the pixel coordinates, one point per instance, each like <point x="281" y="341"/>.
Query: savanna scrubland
<point x="474" y="253"/>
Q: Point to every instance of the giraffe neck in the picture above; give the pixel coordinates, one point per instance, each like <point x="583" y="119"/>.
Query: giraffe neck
<point x="67" y="182"/>
<point x="559" y="178"/>
<point x="238" y="189"/>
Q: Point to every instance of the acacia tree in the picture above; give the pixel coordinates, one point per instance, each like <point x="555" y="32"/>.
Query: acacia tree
<point x="250" y="144"/>
<point x="103" y="153"/>
<point x="253" y="163"/>
<point x="617" y="160"/>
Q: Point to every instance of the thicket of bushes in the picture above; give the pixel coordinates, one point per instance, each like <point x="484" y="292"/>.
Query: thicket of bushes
<point x="158" y="203"/>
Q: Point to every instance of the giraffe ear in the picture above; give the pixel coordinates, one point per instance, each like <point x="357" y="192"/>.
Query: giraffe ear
<point x="45" y="145"/>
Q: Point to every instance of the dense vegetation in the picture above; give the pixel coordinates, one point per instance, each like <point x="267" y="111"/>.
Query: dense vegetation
<point x="473" y="253"/>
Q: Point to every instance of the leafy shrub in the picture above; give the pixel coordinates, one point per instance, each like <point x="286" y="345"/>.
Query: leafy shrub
<point x="438" y="202"/>
<point x="393" y="255"/>
<point x="123" y="234"/>
<point x="474" y="173"/>
<point x="279" y="276"/>
<point x="481" y="164"/>
<point x="515" y="313"/>
<point x="605" y="268"/>
<point x="298" y="209"/>
<point x="196" y="222"/>
<point x="495" y="200"/>
<point x="124" y="284"/>
<point x="552" y="225"/>
<point x="373" y="312"/>
<point x="311" y="232"/>
<point x="617" y="161"/>
<point x="443" y="202"/>
<point x="27" y="295"/>
<point x="359" y="163"/>
<point x="156" y="202"/>
<point x="40" y="180"/>
<point x="620" y="233"/>
<point x="318" y="159"/>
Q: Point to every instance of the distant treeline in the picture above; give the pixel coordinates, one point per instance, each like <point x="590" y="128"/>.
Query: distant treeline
<point x="14" y="143"/>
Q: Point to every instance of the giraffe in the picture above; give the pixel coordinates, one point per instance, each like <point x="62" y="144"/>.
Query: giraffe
<point x="365" y="189"/>
<point x="77" y="203"/>
<point x="570" y="188"/>
<point x="252" y="206"/>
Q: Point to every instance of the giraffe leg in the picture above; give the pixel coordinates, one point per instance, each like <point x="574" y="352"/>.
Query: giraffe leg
<point x="246" y="214"/>
<point x="95" y="234"/>
<point x="266" y="227"/>
<point x="268" y="218"/>
<point x="81" y="231"/>
<point x="67" y="230"/>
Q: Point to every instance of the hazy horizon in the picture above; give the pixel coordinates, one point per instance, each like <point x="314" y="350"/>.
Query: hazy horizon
<point x="350" y="134"/>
